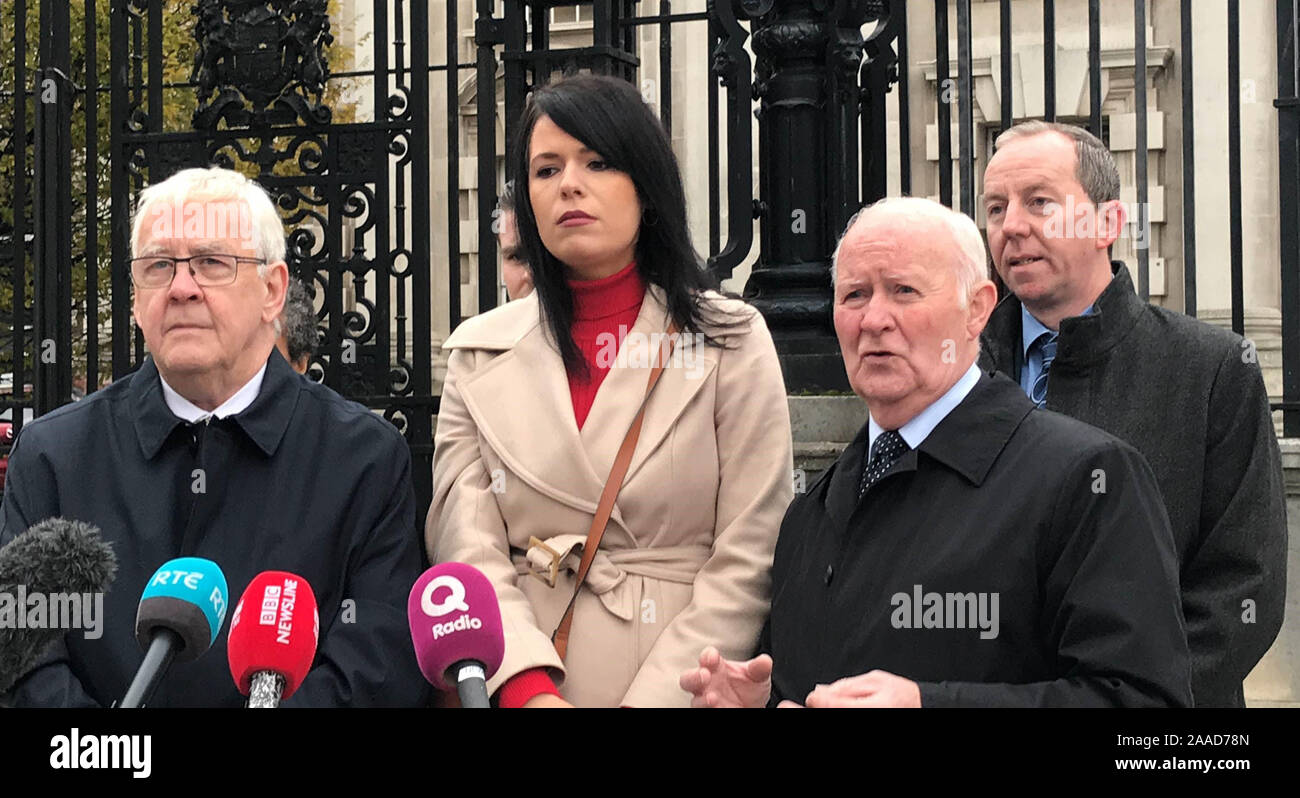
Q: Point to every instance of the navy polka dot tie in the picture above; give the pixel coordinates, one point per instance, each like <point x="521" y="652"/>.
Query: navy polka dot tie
<point x="889" y="446"/>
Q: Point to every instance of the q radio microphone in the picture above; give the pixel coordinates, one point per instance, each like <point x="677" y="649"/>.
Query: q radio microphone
<point x="55" y="556"/>
<point x="456" y="629"/>
<point x="273" y="637"/>
<point x="179" y="617"/>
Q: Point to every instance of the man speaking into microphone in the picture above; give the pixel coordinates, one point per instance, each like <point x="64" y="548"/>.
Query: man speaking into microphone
<point x="215" y="448"/>
<point x="967" y="549"/>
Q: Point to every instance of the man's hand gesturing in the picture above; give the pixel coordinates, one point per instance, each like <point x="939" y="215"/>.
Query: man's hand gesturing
<point x="722" y="682"/>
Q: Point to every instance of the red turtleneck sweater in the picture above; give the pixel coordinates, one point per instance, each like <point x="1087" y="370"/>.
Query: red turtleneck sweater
<point x="608" y="305"/>
<point x="604" y="307"/>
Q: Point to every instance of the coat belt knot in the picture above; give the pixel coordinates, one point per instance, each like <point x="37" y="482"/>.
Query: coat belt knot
<point x="610" y="569"/>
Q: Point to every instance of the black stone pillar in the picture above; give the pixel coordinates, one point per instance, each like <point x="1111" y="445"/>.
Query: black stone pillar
<point x="809" y="53"/>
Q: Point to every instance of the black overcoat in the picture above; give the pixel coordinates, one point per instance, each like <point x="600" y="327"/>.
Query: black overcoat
<point x="301" y="481"/>
<point x="1061" y="522"/>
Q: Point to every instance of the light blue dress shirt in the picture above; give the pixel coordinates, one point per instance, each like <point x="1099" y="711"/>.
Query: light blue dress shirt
<point x="1030" y="330"/>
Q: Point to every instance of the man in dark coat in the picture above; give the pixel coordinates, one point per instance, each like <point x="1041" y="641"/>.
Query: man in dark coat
<point x="967" y="549"/>
<point x="1188" y="395"/>
<point x="215" y="448"/>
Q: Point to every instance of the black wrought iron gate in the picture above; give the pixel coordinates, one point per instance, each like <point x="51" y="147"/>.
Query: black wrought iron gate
<point x="102" y="97"/>
<point x="818" y="85"/>
<point x="241" y="84"/>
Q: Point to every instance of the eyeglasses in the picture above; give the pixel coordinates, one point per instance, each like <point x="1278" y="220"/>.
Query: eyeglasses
<point x="157" y="271"/>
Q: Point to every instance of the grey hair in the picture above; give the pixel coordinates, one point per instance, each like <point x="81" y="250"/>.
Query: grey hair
<point x="970" y="264"/>
<point x="216" y="184"/>
<point x="299" y="321"/>
<point x="1094" y="166"/>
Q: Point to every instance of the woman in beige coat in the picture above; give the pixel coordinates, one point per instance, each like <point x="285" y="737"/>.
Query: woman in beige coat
<point x="539" y="396"/>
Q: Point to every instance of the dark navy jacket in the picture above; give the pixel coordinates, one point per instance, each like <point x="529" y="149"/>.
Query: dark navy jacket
<point x="301" y="481"/>
<point x="1059" y="521"/>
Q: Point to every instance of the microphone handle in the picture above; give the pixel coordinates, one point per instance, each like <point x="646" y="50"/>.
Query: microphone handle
<point x="157" y="660"/>
<point x="265" y="690"/>
<point x="471" y="684"/>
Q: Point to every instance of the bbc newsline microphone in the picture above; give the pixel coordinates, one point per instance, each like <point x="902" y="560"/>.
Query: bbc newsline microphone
<point x="54" y="556"/>
<point x="273" y="638"/>
<point x="456" y="630"/>
<point x="180" y="614"/>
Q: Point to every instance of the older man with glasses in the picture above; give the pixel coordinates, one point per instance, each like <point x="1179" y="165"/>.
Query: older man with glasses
<point x="216" y="448"/>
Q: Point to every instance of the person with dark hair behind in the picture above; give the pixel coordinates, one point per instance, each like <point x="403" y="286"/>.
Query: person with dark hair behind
<point x="687" y="551"/>
<point x="297" y="337"/>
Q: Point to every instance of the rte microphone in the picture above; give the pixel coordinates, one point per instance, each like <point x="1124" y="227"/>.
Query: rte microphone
<point x="179" y="617"/>
<point x="53" y="556"/>
<point x="456" y="629"/>
<point x="272" y="642"/>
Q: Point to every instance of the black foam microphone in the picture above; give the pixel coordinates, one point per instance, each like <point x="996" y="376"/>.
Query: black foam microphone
<point x="53" y="556"/>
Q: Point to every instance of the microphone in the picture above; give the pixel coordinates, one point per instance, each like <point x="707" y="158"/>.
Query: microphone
<point x="456" y="629"/>
<point x="180" y="614"/>
<point x="53" y="556"/>
<point x="270" y="657"/>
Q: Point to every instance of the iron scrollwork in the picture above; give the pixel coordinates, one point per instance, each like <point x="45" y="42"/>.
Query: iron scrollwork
<point x="263" y="59"/>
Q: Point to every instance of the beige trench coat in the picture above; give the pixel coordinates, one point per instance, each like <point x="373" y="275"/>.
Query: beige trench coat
<point x="686" y="557"/>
